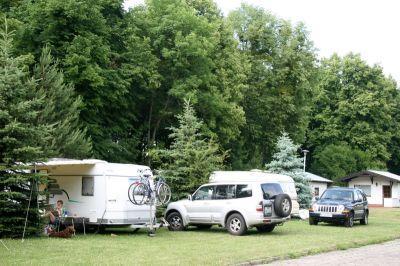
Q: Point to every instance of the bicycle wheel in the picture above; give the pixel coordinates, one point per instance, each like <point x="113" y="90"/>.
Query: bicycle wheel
<point x="130" y="191"/>
<point x="163" y="194"/>
<point x="140" y="194"/>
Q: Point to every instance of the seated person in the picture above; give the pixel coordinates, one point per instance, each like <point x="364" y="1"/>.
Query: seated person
<point x="58" y="213"/>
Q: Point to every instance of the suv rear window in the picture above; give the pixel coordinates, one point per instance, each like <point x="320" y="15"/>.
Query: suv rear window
<point x="243" y="191"/>
<point x="270" y="190"/>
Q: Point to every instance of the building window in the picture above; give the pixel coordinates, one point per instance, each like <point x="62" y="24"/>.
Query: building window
<point x="365" y="188"/>
<point x="316" y="191"/>
<point x="387" y="191"/>
<point x="87" y="185"/>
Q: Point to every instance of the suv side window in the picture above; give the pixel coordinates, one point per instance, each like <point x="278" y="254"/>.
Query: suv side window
<point x="204" y="193"/>
<point x="243" y="191"/>
<point x="225" y="192"/>
<point x="364" y="197"/>
<point x="360" y="195"/>
<point x="356" y="196"/>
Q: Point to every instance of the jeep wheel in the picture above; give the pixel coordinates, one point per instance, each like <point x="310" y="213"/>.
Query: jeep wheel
<point x="266" y="228"/>
<point x="312" y="221"/>
<point x="175" y="222"/>
<point x="236" y="225"/>
<point x="349" y="222"/>
<point x="364" y="220"/>
<point x="283" y="205"/>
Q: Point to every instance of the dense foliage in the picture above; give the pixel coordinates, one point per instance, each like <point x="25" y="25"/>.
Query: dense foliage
<point x="38" y="118"/>
<point x="354" y="115"/>
<point x="287" y="161"/>
<point x="20" y="140"/>
<point x="280" y="83"/>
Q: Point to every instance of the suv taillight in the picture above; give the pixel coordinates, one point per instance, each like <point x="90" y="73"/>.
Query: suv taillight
<point x="259" y="207"/>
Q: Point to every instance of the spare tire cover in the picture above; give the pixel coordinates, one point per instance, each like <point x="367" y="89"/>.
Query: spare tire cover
<point x="283" y="205"/>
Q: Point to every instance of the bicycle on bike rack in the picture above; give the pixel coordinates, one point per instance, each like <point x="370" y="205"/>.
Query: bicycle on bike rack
<point x="145" y="192"/>
<point x="141" y="192"/>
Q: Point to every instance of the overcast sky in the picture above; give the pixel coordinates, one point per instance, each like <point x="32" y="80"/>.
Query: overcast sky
<point x="368" y="27"/>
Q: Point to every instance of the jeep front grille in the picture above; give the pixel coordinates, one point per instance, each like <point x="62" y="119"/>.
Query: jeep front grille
<point x="326" y="208"/>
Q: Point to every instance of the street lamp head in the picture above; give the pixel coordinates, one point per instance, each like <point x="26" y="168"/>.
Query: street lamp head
<point x="305" y="151"/>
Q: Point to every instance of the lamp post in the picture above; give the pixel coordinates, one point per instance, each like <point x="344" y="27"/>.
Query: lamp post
<point x="305" y="157"/>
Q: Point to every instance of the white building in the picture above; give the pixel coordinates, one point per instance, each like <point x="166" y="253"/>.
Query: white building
<point x="382" y="188"/>
<point x="318" y="184"/>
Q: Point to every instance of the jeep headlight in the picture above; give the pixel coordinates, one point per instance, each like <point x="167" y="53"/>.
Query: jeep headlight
<point x="340" y="208"/>
<point x="315" y="207"/>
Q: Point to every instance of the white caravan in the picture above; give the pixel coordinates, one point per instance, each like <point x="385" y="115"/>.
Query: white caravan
<point x="286" y="182"/>
<point x="96" y="190"/>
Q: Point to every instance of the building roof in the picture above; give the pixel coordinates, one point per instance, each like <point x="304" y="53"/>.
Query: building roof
<point x="316" y="178"/>
<point x="372" y="173"/>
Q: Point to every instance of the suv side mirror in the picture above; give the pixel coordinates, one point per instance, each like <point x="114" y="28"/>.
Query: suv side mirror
<point x="316" y="198"/>
<point x="189" y="197"/>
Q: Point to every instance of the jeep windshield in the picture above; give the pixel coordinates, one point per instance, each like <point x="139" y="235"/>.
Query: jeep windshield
<point x="270" y="190"/>
<point x="336" y="194"/>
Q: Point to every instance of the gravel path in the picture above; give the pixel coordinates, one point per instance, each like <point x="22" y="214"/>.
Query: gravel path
<point x="386" y="254"/>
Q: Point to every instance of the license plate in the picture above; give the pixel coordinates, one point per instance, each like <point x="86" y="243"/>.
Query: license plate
<point x="267" y="211"/>
<point x="325" y="214"/>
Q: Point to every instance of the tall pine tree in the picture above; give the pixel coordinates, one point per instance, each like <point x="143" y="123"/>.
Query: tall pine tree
<point x="21" y="139"/>
<point x="61" y="110"/>
<point x="286" y="161"/>
<point x="191" y="158"/>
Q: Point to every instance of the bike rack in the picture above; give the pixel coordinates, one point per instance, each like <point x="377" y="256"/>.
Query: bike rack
<point x="152" y="224"/>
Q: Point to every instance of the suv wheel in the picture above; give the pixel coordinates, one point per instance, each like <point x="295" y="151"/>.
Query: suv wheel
<point x="266" y="228"/>
<point x="236" y="225"/>
<point x="312" y="221"/>
<point x="364" y="220"/>
<point x="175" y="222"/>
<point x="283" y="205"/>
<point x="349" y="222"/>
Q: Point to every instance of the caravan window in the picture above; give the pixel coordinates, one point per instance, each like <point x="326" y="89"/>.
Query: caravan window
<point x="87" y="185"/>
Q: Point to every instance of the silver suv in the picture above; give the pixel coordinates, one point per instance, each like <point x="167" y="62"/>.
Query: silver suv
<point x="236" y="206"/>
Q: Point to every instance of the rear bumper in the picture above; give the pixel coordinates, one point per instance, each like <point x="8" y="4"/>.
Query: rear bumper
<point x="336" y="217"/>
<point x="267" y="220"/>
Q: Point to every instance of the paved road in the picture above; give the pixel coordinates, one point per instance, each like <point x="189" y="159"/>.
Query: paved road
<point x="387" y="254"/>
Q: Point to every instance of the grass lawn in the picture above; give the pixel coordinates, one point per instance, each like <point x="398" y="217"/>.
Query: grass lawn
<point x="192" y="247"/>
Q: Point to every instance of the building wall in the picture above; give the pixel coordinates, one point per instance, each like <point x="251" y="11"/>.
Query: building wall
<point x="376" y="197"/>
<point x="322" y="187"/>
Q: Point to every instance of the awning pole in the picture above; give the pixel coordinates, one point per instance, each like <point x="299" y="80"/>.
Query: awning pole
<point x="4" y="245"/>
<point x="27" y="211"/>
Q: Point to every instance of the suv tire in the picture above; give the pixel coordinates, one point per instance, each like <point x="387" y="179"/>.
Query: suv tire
<point x="236" y="224"/>
<point x="175" y="222"/>
<point x="312" y="221"/>
<point x="283" y="205"/>
<point x="364" y="220"/>
<point x="349" y="222"/>
<point x="266" y="228"/>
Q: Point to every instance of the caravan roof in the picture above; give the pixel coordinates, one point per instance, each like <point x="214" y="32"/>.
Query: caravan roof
<point x="72" y="167"/>
<point x="248" y="176"/>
